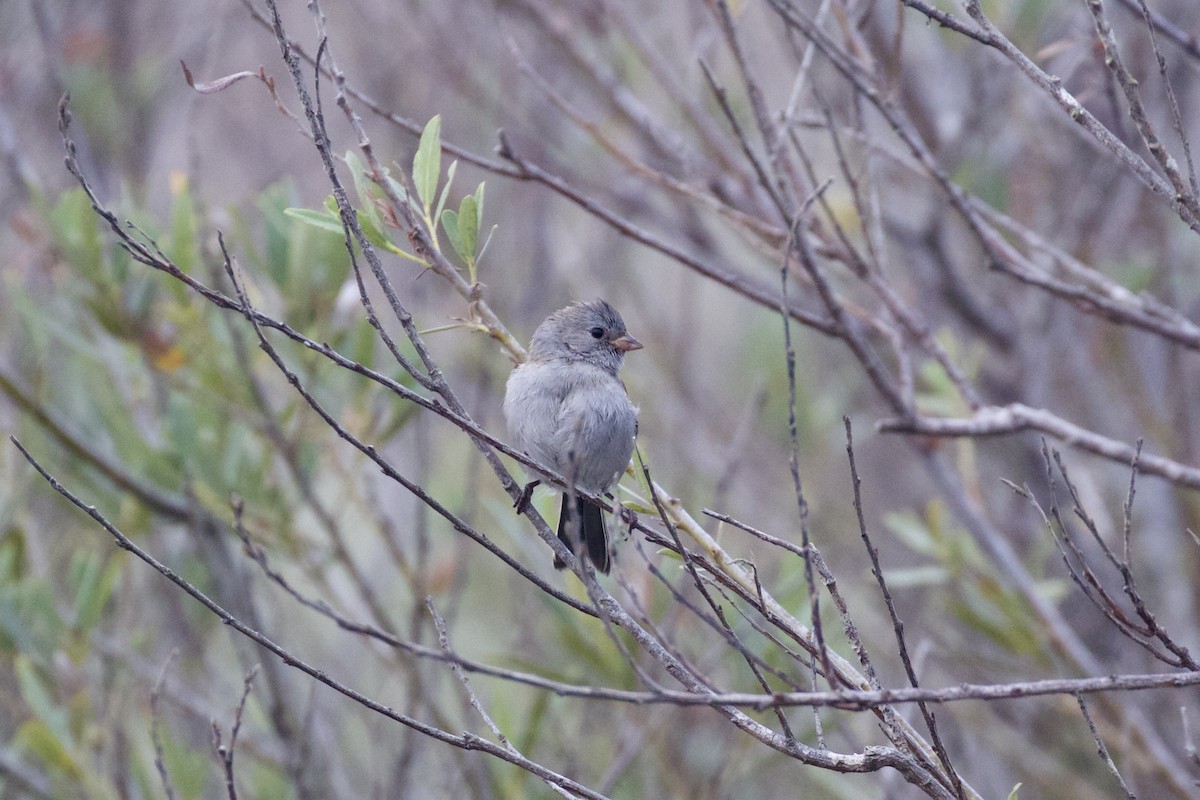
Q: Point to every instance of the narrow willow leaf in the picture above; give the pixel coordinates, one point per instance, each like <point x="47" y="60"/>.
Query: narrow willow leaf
<point x="468" y="227"/>
<point x="37" y="697"/>
<point x="317" y="219"/>
<point x="365" y="190"/>
<point x="450" y="224"/>
<point x="427" y="163"/>
<point x="375" y="234"/>
<point x="441" y="203"/>
<point x="90" y="605"/>
<point x="479" y="206"/>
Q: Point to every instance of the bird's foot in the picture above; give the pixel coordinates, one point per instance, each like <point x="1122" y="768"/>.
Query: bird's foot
<point x="522" y="503"/>
<point x="625" y="514"/>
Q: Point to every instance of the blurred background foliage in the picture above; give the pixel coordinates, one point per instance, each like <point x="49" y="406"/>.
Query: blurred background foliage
<point x="161" y="410"/>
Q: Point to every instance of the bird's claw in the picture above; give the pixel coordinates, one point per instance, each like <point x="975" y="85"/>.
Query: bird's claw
<point x="522" y="503"/>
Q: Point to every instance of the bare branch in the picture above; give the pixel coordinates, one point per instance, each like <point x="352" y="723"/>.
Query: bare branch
<point x="225" y="753"/>
<point x="1185" y="195"/>
<point x="1017" y="417"/>
<point x="155" y="734"/>
<point x="1102" y="750"/>
<point x="897" y="625"/>
<point x="462" y="741"/>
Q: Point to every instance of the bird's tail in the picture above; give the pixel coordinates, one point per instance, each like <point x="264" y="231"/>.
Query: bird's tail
<point x="591" y="530"/>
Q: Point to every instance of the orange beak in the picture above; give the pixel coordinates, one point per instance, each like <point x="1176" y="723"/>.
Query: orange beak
<point x="627" y="343"/>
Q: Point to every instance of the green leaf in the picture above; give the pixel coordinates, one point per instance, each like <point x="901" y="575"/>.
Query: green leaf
<point x="375" y="234"/>
<point x="318" y="219"/>
<point x="999" y="615"/>
<point x="479" y="205"/>
<point x="37" y="737"/>
<point x="331" y="221"/>
<point x="75" y="233"/>
<point x="272" y="205"/>
<point x="368" y="212"/>
<point x="427" y="163"/>
<point x="1013" y="794"/>
<point x="931" y="575"/>
<point x="183" y="431"/>
<point x="37" y="698"/>
<point x="90" y="605"/>
<point x="468" y="227"/>
<point x="450" y="222"/>
<point x="85" y="577"/>
<point x="12" y="553"/>
<point x="913" y="532"/>
<point x="536" y="725"/>
<point x="29" y="622"/>
<point x="441" y="203"/>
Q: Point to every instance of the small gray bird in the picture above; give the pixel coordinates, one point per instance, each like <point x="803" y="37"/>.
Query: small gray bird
<point x="567" y="409"/>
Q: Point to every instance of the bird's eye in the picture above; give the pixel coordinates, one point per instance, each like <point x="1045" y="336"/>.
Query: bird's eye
<point x="597" y="332"/>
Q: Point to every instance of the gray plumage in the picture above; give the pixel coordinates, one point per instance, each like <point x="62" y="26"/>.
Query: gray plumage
<point x="567" y="408"/>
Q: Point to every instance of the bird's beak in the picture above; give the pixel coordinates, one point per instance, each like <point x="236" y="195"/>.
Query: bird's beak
<point x="627" y="343"/>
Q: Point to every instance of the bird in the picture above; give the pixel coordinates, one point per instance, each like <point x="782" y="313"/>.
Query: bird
<point x="567" y="409"/>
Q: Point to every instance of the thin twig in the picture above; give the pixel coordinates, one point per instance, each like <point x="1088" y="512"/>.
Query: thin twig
<point x="744" y="285"/>
<point x="225" y="754"/>
<point x="897" y="625"/>
<point x="1185" y="196"/>
<point x="794" y="456"/>
<point x="1102" y="750"/>
<point x="1152" y="28"/>
<point x="168" y="504"/>
<point x="724" y="628"/>
<point x="160" y="763"/>
<point x="463" y="741"/>
<point x="456" y="668"/>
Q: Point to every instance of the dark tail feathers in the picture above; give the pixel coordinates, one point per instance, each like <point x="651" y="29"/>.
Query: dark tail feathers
<point x="592" y="531"/>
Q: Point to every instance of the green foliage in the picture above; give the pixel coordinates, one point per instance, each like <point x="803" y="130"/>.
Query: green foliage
<point x="461" y="227"/>
<point x="427" y="163"/>
<point x="52" y="736"/>
<point x="937" y="395"/>
<point x="190" y="768"/>
<point x="265" y="780"/>
<point x="318" y="219"/>
<point x="93" y="580"/>
<point x="176" y="394"/>
<point x="29" y="620"/>
<point x="973" y="592"/>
